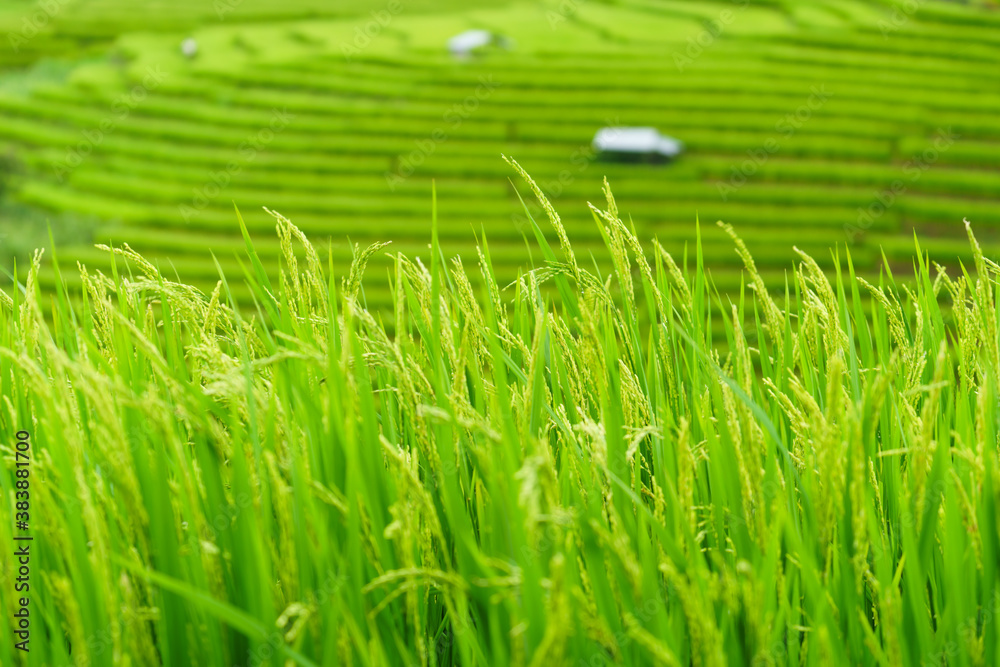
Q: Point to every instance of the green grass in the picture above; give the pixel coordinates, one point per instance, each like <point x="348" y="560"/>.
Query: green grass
<point x="624" y="468"/>
<point x="356" y="121"/>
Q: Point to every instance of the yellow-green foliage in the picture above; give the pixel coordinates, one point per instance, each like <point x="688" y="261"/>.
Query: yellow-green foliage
<point x="566" y="470"/>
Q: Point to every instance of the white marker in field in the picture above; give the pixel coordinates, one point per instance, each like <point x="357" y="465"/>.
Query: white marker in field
<point x="464" y="44"/>
<point x="189" y="47"/>
<point x="637" y="143"/>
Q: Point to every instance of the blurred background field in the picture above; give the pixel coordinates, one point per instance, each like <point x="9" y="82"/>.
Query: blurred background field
<point x="808" y="124"/>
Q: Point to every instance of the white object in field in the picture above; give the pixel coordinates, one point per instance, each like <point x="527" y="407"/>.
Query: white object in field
<point x="465" y="43"/>
<point x="189" y="47"/>
<point x="636" y="141"/>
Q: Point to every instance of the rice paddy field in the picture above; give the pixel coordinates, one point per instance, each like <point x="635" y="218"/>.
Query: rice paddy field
<point x="807" y="124"/>
<point x="566" y="417"/>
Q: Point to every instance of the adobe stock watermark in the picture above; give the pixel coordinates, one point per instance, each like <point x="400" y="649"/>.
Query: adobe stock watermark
<point x="552" y="534"/>
<point x="566" y="10"/>
<point x="786" y="127"/>
<point x="226" y="515"/>
<point x="365" y="34"/>
<point x="714" y="28"/>
<point x="644" y="613"/>
<point x="102" y="641"/>
<point x="136" y="436"/>
<point x="121" y="108"/>
<point x="908" y="518"/>
<point x="967" y="633"/>
<point x="913" y="169"/>
<point x="248" y="151"/>
<point x="408" y="164"/>
<point x="224" y="7"/>
<point x="272" y="644"/>
<point x="460" y="627"/>
<point x="35" y="22"/>
<point x="900" y="16"/>
<point x="580" y="160"/>
<point x="776" y="653"/>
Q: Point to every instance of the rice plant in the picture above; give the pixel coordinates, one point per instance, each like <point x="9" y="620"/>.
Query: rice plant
<point x="582" y="467"/>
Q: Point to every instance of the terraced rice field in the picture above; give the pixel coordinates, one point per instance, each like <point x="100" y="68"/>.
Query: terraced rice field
<point x="806" y="125"/>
